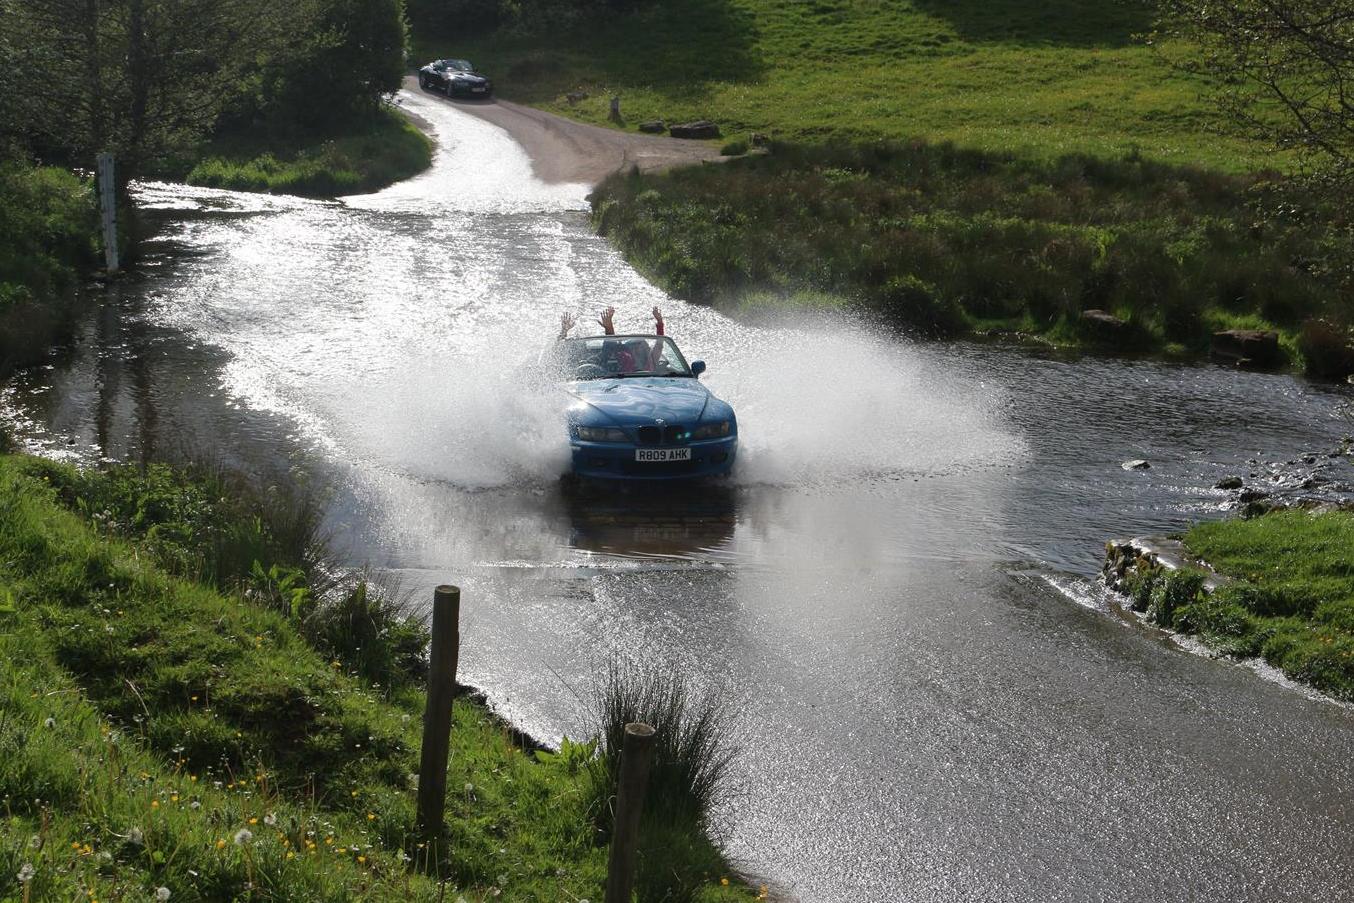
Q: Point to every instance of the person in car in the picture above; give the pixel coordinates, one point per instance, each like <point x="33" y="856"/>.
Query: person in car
<point x="635" y="354"/>
<point x="630" y="357"/>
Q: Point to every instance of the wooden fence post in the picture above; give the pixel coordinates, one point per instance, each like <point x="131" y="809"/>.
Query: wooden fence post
<point x="432" y="769"/>
<point x="636" y="753"/>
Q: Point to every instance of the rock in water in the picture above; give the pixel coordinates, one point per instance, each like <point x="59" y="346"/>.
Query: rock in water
<point x="700" y="129"/>
<point x="1136" y="465"/>
<point x="1228" y="483"/>
<point x="1248" y="347"/>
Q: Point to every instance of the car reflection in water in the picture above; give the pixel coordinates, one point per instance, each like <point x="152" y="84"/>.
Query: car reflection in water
<point x="651" y="520"/>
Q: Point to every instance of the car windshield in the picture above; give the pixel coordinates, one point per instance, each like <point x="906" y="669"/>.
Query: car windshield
<point x="459" y="65"/>
<point x="602" y="357"/>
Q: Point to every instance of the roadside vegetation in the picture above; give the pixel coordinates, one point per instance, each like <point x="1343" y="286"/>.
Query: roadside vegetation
<point x="1290" y="599"/>
<point x="47" y="226"/>
<point x="364" y="156"/>
<point x="187" y="703"/>
<point x="949" y="241"/>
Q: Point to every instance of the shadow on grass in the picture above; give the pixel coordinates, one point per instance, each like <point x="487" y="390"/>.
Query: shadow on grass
<point x="679" y="48"/>
<point x="1112" y="23"/>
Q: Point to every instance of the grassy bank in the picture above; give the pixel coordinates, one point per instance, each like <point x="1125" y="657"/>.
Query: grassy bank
<point x="1038" y="78"/>
<point x="48" y="227"/>
<point x="949" y="241"/>
<point x="1291" y="599"/>
<point x="173" y="715"/>
<point x="366" y="156"/>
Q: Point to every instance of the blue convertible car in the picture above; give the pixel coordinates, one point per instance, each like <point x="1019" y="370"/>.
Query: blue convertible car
<point x="638" y="411"/>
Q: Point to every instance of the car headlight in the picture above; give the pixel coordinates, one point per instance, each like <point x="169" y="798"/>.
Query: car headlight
<point x="600" y="434"/>
<point x="712" y="430"/>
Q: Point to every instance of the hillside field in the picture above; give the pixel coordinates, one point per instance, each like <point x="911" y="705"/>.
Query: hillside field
<point x="1040" y="78"/>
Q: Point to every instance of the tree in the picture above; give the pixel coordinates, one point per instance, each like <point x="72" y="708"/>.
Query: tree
<point x="1284" y="71"/>
<point x="140" y="78"/>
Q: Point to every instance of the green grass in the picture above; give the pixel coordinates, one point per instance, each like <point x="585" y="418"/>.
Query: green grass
<point x="949" y="240"/>
<point x="146" y="719"/>
<point x="48" y="226"/>
<point x="1291" y="600"/>
<point x="365" y="157"/>
<point x="1046" y="78"/>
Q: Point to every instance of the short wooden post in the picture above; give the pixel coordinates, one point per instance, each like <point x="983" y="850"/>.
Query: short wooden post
<point x="615" y="107"/>
<point x="636" y="753"/>
<point x="432" y="769"/>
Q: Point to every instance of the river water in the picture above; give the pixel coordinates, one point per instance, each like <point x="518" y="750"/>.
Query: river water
<point x="934" y="700"/>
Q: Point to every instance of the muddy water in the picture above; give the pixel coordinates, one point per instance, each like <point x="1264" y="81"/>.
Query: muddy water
<point x="934" y="701"/>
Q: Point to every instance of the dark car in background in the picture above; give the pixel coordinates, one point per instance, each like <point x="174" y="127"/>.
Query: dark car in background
<point x="457" y="78"/>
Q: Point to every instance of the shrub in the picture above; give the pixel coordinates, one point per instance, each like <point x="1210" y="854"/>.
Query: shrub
<point x="689" y="772"/>
<point x="917" y="303"/>
<point x="1172" y="592"/>
<point x="1327" y="348"/>
<point x="371" y="629"/>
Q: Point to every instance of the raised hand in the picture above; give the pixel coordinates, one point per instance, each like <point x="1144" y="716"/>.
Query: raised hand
<point x="607" y="320"/>
<point x="658" y="320"/>
<point x="566" y="323"/>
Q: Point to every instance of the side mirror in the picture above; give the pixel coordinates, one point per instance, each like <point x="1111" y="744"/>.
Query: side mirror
<point x="697" y="368"/>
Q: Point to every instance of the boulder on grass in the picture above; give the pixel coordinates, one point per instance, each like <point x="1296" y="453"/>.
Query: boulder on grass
<point x="701" y="129"/>
<point x="653" y="126"/>
<point x="1102" y="326"/>
<point x="1256" y="348"/>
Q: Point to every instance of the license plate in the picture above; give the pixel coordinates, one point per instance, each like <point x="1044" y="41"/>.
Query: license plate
<point x="478" y="90"/>
<point x="662" y="454"/>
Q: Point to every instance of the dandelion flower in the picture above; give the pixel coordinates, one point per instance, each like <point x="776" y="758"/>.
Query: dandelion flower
<point x="254" y="821"/>
<point x="49" y="723"/>
<point x="220" y="844"/>
<point x="291" y="854"/>
<point x="135" y="837"/>
<point x="155" y="804"/>
<point x="162" y="894"/>
<point x="371" y="817"/>
<point x="243" y="836"/>
<point x="26" y="873"/>
<point x="362" y="860"/>
<point x="723" y="882"/>
<point x="270" y="820"/>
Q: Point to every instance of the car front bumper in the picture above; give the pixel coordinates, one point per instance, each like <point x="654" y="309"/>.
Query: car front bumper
<point x="461" y="90"/>
<point x="616" y="461"/>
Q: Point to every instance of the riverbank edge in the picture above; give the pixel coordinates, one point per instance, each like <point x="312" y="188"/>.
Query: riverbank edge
<point x="1233" y="611"/>
<point x="393" y="146"/>
<point x="74" y="552"/>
